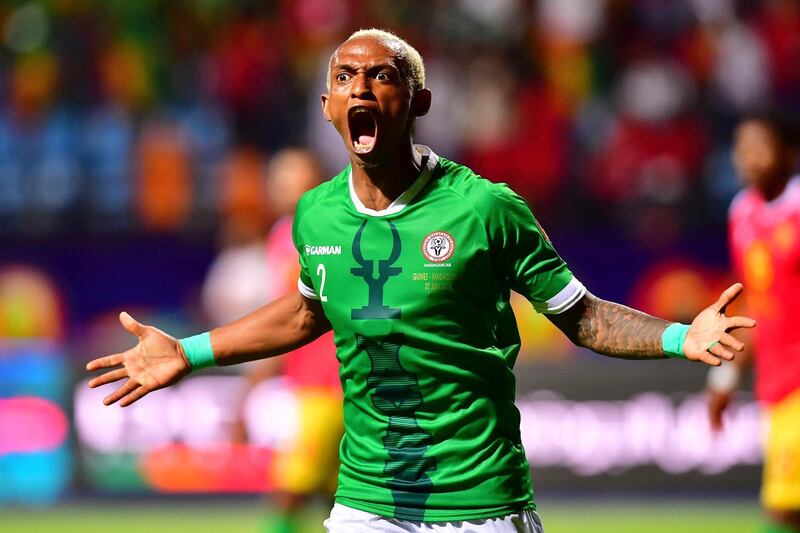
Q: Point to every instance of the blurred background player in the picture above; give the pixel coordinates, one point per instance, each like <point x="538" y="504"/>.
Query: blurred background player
<point x="764" y="223"/>
<point x="308" y="467"/>
<point x="238" y="281"/>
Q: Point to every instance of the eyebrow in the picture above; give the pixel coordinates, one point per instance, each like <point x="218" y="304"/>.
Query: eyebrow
<point x="350" y="67"/>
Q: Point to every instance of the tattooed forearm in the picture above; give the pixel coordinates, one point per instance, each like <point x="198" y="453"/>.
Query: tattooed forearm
<point x="612" y="329"/>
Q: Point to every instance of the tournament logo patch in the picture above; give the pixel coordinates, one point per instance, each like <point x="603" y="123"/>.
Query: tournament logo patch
<point x="438" y="246"/>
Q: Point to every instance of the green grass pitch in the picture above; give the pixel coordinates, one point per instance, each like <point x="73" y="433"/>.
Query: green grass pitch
<point x="559" y="516"/>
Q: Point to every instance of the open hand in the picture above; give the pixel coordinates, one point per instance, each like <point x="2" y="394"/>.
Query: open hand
<point x="709" y="339"/>
<point x="157" y="361"/>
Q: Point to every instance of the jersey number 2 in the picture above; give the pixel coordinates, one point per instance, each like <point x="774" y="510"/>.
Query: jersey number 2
<point x="321" y="272"/>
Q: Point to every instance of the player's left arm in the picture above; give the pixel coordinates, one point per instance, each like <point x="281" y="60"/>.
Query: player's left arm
<point x="615" y="330"/>
<point x="528" y="260"/>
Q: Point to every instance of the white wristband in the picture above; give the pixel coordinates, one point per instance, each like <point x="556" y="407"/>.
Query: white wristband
<point x="723" y="378"/>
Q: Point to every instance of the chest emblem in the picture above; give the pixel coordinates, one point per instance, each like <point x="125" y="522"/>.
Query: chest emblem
<point x="758" y="268"/>
<point x="375" y="308"/>
<point x="438" y="246"/>
<point x="784" y="236"/>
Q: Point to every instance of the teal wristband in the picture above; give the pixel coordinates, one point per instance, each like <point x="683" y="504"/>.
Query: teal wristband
<point x="198" y="351"/>
<point x="672" y="340"/>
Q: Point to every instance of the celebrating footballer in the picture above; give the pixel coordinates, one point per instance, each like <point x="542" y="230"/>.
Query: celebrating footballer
<point x="410" y="259"/>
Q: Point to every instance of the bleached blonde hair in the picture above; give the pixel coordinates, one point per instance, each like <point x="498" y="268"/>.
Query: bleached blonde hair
<point x="411" y="65"/>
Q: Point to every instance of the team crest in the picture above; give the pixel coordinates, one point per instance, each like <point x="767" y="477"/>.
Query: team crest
<point x="438" y="246"/>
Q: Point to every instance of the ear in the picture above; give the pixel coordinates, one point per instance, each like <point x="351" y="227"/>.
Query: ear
<point x="324" y="98"/>
<point x="421" y="102"/>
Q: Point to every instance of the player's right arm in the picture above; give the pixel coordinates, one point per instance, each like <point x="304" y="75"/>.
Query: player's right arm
<point x="725" y="379"/>
<point x="159" y="360"/>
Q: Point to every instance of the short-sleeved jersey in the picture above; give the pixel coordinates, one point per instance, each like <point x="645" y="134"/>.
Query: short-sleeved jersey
<point x="765" y="245"/>
<point x="418" y="297"/>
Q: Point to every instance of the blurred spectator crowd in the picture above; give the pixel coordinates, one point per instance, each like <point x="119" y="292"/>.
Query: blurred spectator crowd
<point x="161" y="116"/>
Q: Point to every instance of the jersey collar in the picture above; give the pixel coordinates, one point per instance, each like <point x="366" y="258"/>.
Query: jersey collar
<point x="425" y="159"/>
<point x="789" y="192"/>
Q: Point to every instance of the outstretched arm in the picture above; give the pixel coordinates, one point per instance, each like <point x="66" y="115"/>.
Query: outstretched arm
<point x="612" y="329"/>
<point x="279" y="327"/>
<point x="158" y="360"/>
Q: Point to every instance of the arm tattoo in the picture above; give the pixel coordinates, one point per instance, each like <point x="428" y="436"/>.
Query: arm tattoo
<point x="612" y="329"/>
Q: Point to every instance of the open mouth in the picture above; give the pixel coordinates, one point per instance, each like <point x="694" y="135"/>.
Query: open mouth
<point x="363" y="129"/>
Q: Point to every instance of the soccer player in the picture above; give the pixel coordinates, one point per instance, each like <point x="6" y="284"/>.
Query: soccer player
<point x="309" y="465"/>
<point x="765" y="247"/>
<point x="410" y="259"/>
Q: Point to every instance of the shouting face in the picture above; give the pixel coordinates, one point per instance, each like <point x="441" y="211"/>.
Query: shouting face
<point x="371" y="103"/>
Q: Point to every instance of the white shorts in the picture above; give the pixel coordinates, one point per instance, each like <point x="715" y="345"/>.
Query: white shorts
<point x="345" y="519"/>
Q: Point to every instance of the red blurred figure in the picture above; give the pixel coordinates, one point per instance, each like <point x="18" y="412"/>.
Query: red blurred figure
<point x="309" y="467"/>
<point x="765" y="245"/>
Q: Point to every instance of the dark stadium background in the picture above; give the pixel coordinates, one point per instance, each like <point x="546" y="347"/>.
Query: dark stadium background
<point x="134" y="137"/>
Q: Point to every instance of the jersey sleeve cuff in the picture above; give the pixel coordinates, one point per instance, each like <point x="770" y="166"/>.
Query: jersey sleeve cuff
<point x="566" y="298"/>
<point x="306" y="291"/>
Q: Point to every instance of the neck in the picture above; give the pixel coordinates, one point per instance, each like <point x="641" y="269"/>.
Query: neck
<point x="379" y="185"/>
<point x="774" y="188"/>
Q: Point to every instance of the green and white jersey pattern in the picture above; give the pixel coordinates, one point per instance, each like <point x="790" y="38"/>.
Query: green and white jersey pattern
<point x="418" y="296"/>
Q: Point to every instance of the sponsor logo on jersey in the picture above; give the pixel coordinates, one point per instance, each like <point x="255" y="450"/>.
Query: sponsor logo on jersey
<point x="438" y="246"/>
<point x="323" y="250"/>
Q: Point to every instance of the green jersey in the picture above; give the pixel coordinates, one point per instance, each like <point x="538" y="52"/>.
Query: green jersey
<point x="418" y="297"/>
